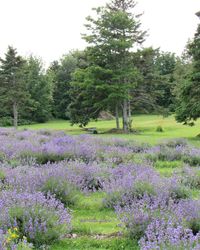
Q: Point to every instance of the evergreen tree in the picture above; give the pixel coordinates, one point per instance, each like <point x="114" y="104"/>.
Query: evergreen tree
<point x="61" y="75"/>
<point x="38" y="108"/>
<point x="111" y="37"/>
<point x="188" y="107"/>
<point x="13" y="93"/>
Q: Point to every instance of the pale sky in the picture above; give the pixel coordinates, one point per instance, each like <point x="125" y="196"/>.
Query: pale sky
<point x="51" y="28"/>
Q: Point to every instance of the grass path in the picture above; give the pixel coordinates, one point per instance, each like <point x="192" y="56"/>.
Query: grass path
<point x="94" y="228"/>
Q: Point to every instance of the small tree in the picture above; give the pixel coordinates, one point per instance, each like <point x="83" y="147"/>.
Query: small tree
<point x="13" y="91"/>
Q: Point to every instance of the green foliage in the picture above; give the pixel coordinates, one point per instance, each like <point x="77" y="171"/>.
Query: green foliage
<point x="192" y="160"/>
<point x="142" y="188"/>
<point x="53" y="231"/>
<point x="82" y="243"/>
<point x="154" y="89"/>
<point x="111" y="36"/>
<point x="165" y="65"/>
<point x="43" y="158"/>
<point x="38" y="106"/>
<point x="112" y="199"/>
<point x="159" y="129"/>
<point x="2" y="176"/>
<point x="61" y="75"/>
<point x="13" y="93"/>
<point x="89" y="91"/>
<point x="6" y="121"/>
<point x="62" y="189"/>
<point x="188" y="104"/>
<point x="179" y="192"/>
<point x="168" y="164"/>
<point x="138" y="191"/>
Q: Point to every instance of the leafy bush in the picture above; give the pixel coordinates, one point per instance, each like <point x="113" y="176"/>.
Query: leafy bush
<point x="41" y="220"/>
<point x="140" y="189"/>
<point x="126" y="196"/>
<point x="2" y="176"/>
<point x="173" y="143"/>
<point x="159" y="129"/>
<point x="2" y="180"/>
<point x="113" y="198"/>
<point x="189" y="177"/>
<point x="168" y="235"/>
<point x="179" y="192"/>
<point x="6" y="121"/>
<point x="135" y="221"/>
<point x="61" y="189"/>
<point x="192" y="160"/>
<point x="43" y="157"/>
<point x="163" y="153"/>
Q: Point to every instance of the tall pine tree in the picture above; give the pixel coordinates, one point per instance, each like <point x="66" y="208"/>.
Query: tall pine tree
<point x="13" y="93"/>
<point x="111" y="37"/>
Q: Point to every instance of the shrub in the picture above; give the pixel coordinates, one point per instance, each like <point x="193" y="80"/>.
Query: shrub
<point x="163" y="153"/>
<point x="135" y="220"/>
<point x="192" y="160"/>
<point x="2" y="180"/>
<point x="6" y="121"/>
<point x="2" y="157"/>
<point x="159" y="129"/>
<point x="178" y="192"/>
<point x="42" y="220"/>
<point x="125" y="196"/>
<point x="42" y="157"/>
<point x="189" y="177"/>
<point x="2" y="176"/>
<point x="140" y="189"/>
<point x="61" y="189"/>
<point x="168" y="235"/>
<point x="173" y="143"/>
<point x="113" y="198"/>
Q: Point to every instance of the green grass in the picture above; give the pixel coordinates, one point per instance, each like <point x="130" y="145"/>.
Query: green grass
<point x="90" y="218"/>
<point x="89" y="243"/>
<point x="145" y="124"/>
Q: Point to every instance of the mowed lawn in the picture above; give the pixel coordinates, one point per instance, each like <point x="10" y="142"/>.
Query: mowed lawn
<point x="145" y="125"/>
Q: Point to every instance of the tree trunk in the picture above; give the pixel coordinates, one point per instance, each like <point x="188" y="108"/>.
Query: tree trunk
<point x="130" y="121"/>
<point x="129" y="109"/>
<point x="117" y="116"/>
<point x="15" y="114"/>
<point x="125" y="116"/>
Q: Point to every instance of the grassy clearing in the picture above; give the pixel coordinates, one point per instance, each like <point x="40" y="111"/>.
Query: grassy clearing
<point x="90" y="218"/>
<point x="145" y="124"/>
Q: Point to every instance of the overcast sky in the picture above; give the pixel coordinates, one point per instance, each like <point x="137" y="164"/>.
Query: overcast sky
<point x="50" y="28"/>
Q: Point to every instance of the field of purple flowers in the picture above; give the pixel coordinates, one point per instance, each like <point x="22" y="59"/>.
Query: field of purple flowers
<point x="45" y="175"/>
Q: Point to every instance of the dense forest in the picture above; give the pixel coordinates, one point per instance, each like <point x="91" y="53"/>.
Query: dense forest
<point x="114" y="73"/>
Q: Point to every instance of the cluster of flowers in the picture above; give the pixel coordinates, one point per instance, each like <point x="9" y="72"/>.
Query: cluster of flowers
<point x="40" y="219"/>
<point x="173" y="151"/>
<point x="29" y="147"/>
<point x="157" y="211"/>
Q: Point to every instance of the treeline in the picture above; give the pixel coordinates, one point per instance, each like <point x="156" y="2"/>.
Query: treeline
<point x="107" y="76"/>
